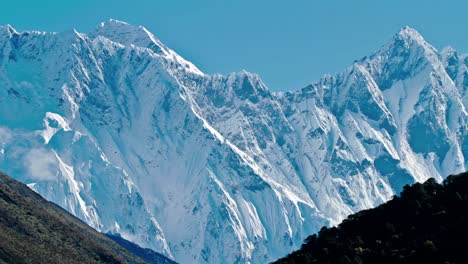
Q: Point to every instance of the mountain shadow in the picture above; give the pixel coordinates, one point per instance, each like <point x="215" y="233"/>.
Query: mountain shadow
<point x="148" y="255"/>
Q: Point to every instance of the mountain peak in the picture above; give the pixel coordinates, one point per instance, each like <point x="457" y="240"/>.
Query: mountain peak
<point x="8" y="29"/>
<point x="118" y="25"/>
<point x="448" y="52"/>
<point x="409" y="38"/>
<point x="406" y="49"/>
<point x="112" y="21"/>
<point x="409" y="33"/>
<point x="128" y="34"/>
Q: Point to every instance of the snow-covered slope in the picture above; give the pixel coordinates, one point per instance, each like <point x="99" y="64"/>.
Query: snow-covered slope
<point x="132" y="138"/>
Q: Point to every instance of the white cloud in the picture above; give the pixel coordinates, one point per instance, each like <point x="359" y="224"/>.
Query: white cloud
<point x="5" y="135"/>
<point x="25" y="84"/>
<point x="41" y="164"/>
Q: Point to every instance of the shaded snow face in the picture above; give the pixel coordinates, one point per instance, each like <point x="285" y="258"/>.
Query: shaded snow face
<point x="133" y="139"/>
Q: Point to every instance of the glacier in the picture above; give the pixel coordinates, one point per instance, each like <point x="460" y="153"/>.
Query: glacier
<point x="130" y="137"/>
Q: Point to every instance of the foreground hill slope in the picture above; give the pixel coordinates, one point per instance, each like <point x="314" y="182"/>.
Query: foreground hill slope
<point x="426" y="224"/>
<point x="33" y="230"/>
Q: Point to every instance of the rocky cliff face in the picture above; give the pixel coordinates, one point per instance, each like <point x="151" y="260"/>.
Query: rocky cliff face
<point x="130" y="137"/>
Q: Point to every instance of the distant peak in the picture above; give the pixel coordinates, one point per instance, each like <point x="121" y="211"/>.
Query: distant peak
<point x="407" y="30"/>
<point x="409" y="39"/>
<point x="114" y="24"/>
<point x="405" y="54"/>
<point x="407" y="33"/>
<point x="450" y="57"/>
<point x="128" y="34"/>
<point x="9" y="29"/>
<point x="114" y="21"/>
<point x="448" y="51"/>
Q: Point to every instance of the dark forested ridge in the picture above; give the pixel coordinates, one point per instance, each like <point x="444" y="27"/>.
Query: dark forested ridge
<point x="427" y="223"/>
<point x="33" y="230"/>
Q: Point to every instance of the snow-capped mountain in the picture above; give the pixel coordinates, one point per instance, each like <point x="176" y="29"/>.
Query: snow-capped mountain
<point x="130" y="137"/>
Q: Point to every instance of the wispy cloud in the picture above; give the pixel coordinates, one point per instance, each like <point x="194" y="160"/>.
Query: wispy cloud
<point x="41" y="164"/>
<point x="5" y="135"/>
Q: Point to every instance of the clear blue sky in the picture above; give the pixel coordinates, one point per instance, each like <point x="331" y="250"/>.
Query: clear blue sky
<point x="289" y="43"/>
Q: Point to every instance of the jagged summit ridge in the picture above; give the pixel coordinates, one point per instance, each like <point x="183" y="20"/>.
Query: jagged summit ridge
<point x="409" y="33"/>
<point x="212" y="169"/>
<point x="408" y="38"/>
<point x="8" y="28"/>
<point x="124" y="33"/>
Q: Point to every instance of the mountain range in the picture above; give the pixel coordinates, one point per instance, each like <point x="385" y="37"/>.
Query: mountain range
<point x="133" y="139"/>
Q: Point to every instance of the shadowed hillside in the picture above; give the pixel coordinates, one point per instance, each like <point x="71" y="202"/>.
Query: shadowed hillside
<point x="146" y="254"/>
<point x="426" y="224"/>
<point x="33" y="230"/>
